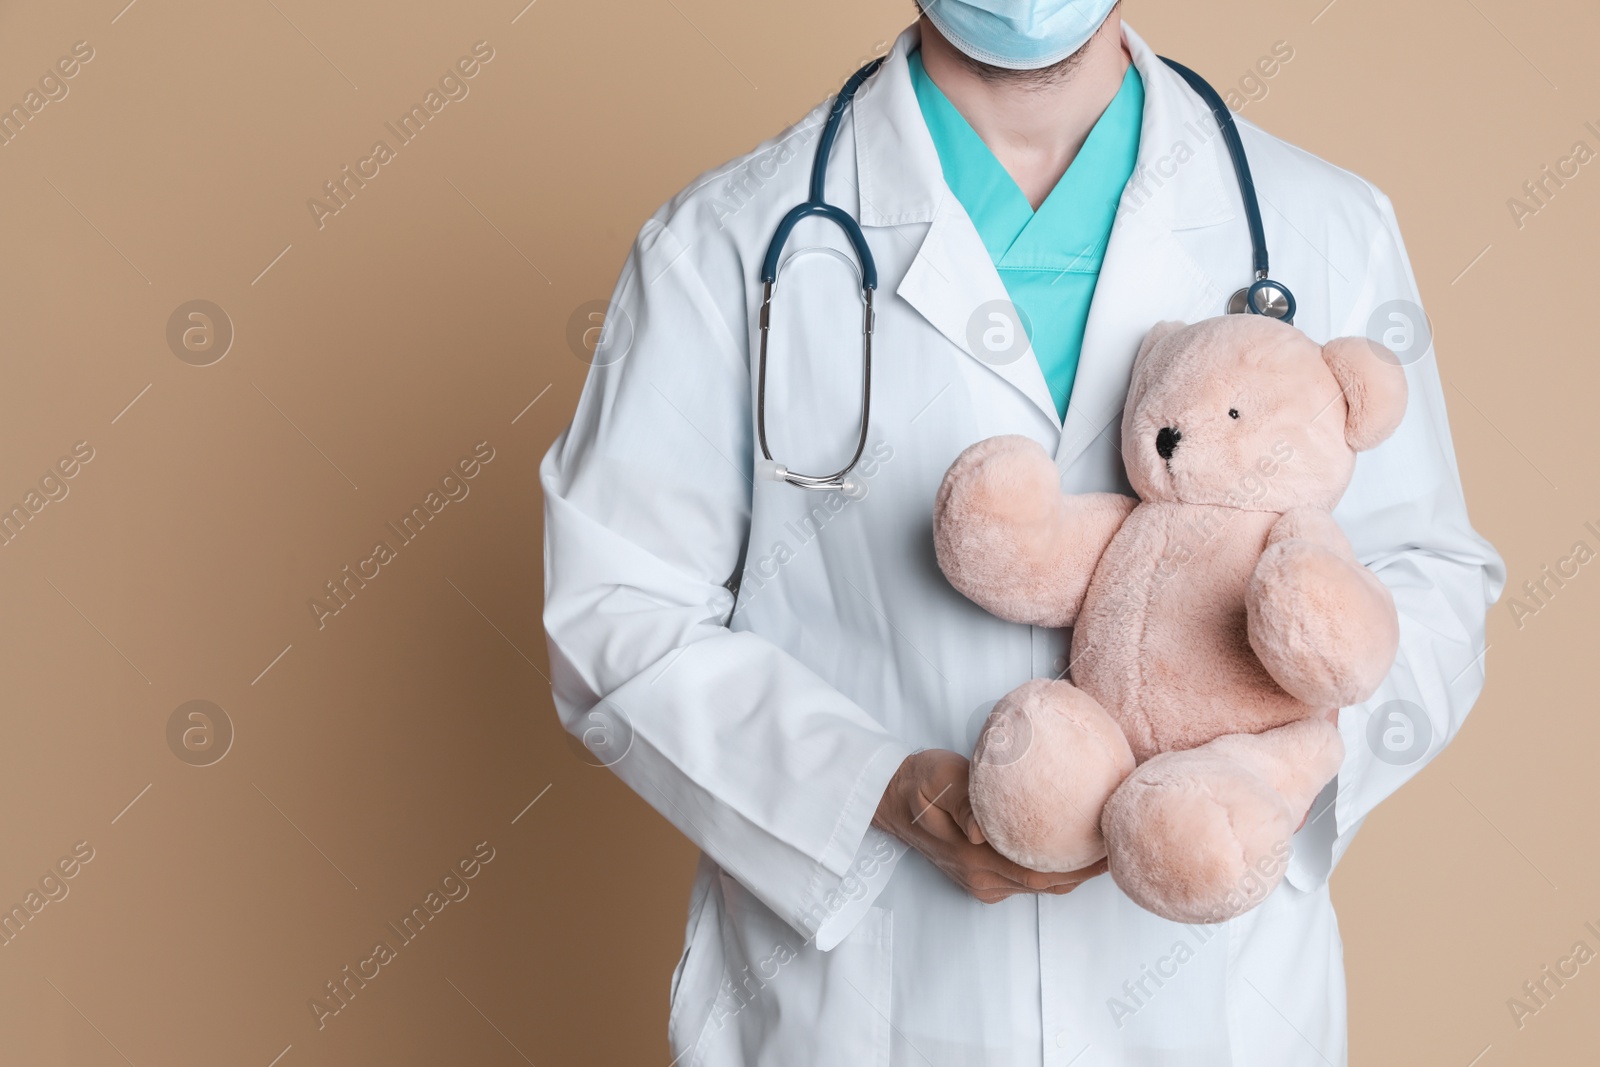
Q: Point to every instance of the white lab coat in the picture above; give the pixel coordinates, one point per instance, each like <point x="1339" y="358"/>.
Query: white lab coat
<point x="766" y="731"/>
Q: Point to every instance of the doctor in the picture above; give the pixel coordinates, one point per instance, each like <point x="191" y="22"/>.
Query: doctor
<point x="786" y="676"/>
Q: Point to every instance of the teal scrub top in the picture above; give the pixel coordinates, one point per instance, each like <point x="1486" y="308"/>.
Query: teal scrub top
<point x="1049" y="260"/>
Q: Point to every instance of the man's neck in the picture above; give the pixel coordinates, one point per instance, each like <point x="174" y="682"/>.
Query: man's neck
<point x="1034" y="123"/>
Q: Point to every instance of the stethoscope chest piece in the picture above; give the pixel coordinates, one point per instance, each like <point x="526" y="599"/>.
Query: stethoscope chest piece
<point x="1264" y="297"/>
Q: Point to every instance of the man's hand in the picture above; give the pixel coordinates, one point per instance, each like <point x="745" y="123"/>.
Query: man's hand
<point x="926" y="806"/>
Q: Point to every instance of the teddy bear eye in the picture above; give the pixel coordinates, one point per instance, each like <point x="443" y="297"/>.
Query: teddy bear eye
<point x="1233" y="413"/>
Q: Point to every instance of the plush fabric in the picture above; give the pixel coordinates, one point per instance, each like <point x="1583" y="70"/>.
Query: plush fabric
<point x="1200" y="835"/>
<point x="1007" y="538"/>
<point x="1049" y="731"/>
<point x="1218" y="621"/>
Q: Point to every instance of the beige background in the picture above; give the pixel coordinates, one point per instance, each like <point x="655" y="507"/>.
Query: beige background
<point x="373" y="353"/>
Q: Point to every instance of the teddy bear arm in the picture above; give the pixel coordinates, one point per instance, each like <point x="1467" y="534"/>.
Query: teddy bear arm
<point x="1316" y="525"/>
<point x="1323" y="625"/>
<point x="1010" y="541"/>
<point x="1039" y="578"/>
<point x="1090" y="522"/>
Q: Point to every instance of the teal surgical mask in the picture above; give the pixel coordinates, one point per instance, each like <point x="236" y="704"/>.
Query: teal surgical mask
<point x="1018" y="34"/>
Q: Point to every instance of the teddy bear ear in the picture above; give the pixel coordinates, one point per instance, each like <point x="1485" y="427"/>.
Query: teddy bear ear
<point x="1157" y="332"/>
<point x="1374" y="387"/>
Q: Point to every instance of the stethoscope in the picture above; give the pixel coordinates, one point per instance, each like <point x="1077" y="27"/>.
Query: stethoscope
<point x="1263" y="296"/>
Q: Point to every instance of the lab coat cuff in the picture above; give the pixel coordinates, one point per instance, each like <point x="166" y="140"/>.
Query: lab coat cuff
<point x="844" y="845"/>
<point x="1312" y="854"/>
<point x="848" y="900"/>
<point x="1333" y="820"/>
<point x="859" y="859"/>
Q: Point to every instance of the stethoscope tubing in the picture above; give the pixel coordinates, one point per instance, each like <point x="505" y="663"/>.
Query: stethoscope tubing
<point x="1241" y="163"/>
<point x="1263" y="296"/>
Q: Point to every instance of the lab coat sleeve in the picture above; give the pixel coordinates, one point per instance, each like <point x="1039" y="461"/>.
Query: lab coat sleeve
<point x="761" y="763"/>
<point x="1407" y="520"/>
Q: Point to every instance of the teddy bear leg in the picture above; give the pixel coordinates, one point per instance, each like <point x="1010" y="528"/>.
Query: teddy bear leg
<point x="1046" y="761"/>
<point x="1323" y="625"/>
<point x="1203" y="835"/>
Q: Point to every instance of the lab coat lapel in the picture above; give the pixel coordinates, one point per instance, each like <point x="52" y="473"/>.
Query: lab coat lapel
<point x="952" y="282"/>
<point x="1183" y="181"/>
<point x="954" y="285"/>
<point x="1180" y="183"/>
<point x="1147" y="277"/>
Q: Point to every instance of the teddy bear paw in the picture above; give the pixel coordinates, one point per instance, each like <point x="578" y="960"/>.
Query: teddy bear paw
<point x="1322" y="625"/>
<point x="1194" y="840"/>
<point x="1046" y="761"/>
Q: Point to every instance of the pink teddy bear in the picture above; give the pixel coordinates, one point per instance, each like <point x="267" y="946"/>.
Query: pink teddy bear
<point x="1219" y="621"/>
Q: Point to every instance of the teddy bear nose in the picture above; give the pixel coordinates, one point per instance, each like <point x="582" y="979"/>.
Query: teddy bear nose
<point x="1167" y="441"/>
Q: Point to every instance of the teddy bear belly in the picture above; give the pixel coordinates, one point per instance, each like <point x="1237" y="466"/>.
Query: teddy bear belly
<point x="1162" y="640"/>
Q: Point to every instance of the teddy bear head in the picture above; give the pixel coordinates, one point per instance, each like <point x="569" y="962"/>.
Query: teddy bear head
<point x="1246" y="411"/>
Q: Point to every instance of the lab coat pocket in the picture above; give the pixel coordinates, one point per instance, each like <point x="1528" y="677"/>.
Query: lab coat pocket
<point x="696" y="978"/>
<point x="783" y="1002"/>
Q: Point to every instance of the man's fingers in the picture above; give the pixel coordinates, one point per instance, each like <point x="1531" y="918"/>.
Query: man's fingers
<point x="968" y="821"/>
<point x="1024" y="876"/>
<point x="944" y="828"/>
<point x="991" y="884"/>
<point x="977" y="869"/>
<point x="953" y="798"/>
<point x="1100" y="866"/>
<point x="991" y="890"/>
<point x="1055" y="881"/>
<point x="1077" y="878"/>
<point x="983" y="857"/>
<point x="992" y="897"/>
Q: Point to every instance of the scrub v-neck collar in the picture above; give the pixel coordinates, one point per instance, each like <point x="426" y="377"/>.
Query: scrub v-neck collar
<point x="1069" y="231"/>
